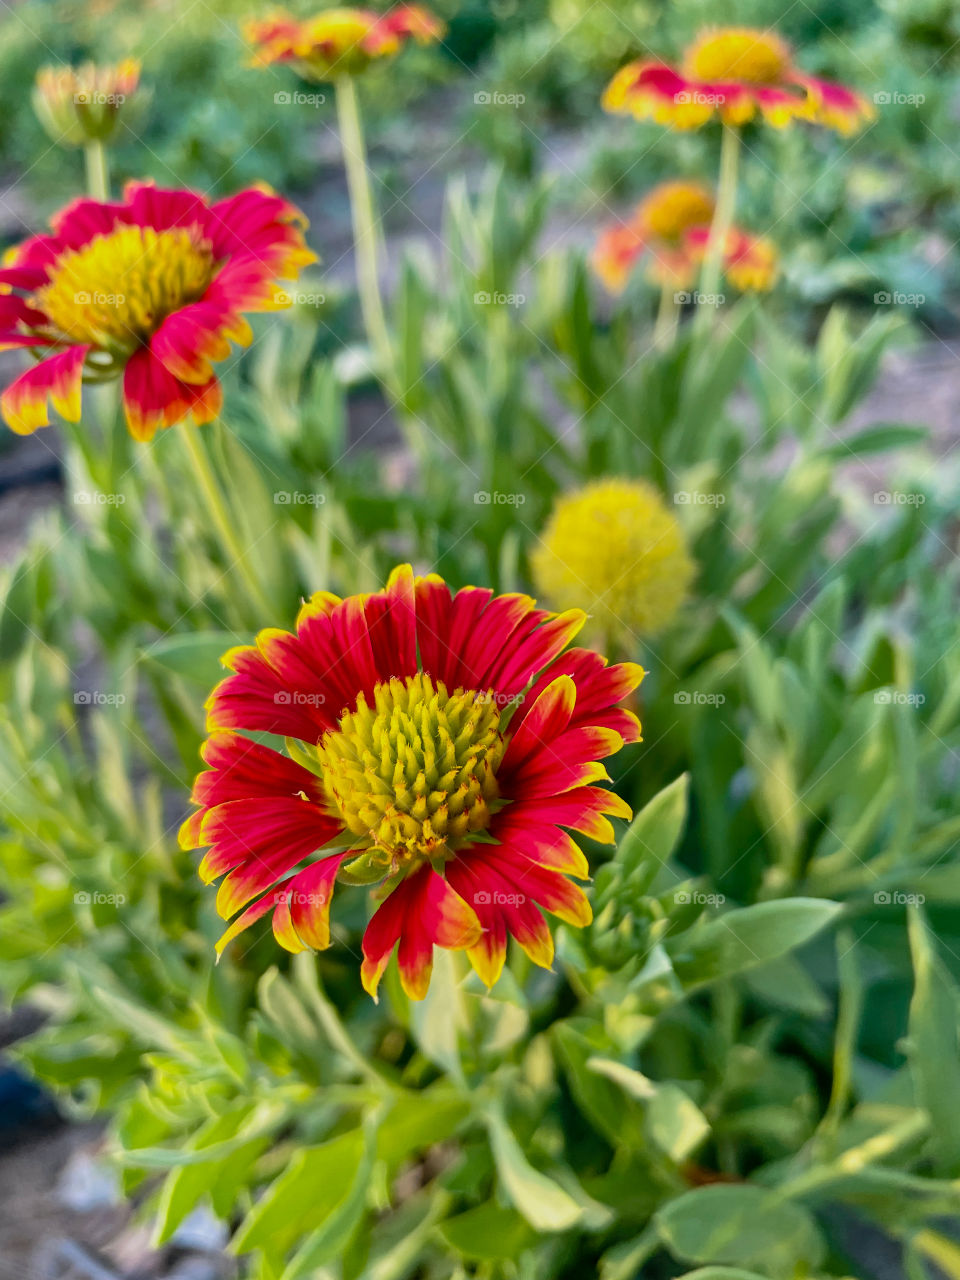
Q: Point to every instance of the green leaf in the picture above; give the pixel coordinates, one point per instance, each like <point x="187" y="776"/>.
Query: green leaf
<point x="194" y="657"/>
<point x="655" y="830"/>
<point x="933" y="1048"/>
<point x="488" y="1233"/>
<point x="721" y="1273"/>
<point x="332" y="1239"/>
<point x="879" y="438"/>
<point x="674" y="1121"/>
<point x="544" y="1204"/>
<point x="740" y="1226"/>
<point x="745" y="937"/>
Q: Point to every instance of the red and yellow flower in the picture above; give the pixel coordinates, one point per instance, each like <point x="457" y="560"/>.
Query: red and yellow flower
<point x="736" y="74"/>
<point x="338" y="42"/>
<point x="153" y="289"/>
<point x="444" y="745"/>
<point x="83" y="104"/>
<point x="668" y="231"/>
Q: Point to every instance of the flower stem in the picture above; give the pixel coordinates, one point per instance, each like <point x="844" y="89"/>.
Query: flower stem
<point x="365" y="232"/>
<point x="222" y="519"/>
<point x="722" y="218"/>
<point x="668" y="318"/>
<point x="98" y="173"/>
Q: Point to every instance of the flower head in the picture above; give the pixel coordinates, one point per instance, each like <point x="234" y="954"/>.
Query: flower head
<point x="614" y="549"/>
<point x="668" y="232"/>
<point x="338" y="42"/>
<point x="83" y="104"/>
<point x="442" y="746"/>
<point x="151" y="288"/>
<point x="734" y="73"/>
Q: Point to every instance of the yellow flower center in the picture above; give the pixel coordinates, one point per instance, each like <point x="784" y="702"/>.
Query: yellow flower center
<point x="738" y="54"/>
<point x="673" y="208"/>
<point x="115" y="291"/>
<point x="415" y="774"/>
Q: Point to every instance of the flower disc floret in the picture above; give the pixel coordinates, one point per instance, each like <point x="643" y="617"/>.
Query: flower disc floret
<point x="415" y="773"/>
<point x="119" y="288"/>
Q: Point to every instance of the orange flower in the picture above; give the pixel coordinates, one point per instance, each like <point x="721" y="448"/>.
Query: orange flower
<point x="442" y="745"/>
<point x="338" y="42"/>
<point x="669" y="231"/>
<point x="152" y="289"/>
<point x="735" y="73"/>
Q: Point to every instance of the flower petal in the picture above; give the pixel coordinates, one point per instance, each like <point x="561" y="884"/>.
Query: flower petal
<point x="57" y="378"/>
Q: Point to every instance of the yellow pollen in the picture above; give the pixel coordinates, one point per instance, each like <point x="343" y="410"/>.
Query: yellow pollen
<point x="414" y="776"/>
<point x="116" y="290"/>
<point x="733" y="54"/>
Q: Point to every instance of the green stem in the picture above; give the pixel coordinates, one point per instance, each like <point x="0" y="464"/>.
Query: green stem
<point x="98" y="174"/>
<point x="722" y="218"/>
<point x="365" y="233"/>
<point x="226" y="529"/>
<point x="668" y="317"/>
